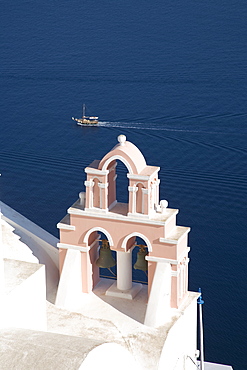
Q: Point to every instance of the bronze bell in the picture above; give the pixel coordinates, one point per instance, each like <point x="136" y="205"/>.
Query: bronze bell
<point x="105" y="259"/>
<point x="141" y="263"/>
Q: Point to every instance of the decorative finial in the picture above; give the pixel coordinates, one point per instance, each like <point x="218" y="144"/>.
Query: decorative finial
<point x="121" y="139"/>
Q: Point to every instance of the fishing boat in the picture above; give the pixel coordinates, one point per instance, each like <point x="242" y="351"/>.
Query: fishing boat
<point x="86" y="120"/>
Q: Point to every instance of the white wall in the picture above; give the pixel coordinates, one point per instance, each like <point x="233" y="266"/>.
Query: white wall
<point x="158" y="309"/>
<point x="24" y="305"/>
<point x="181" y="342"/>
<point x="70" y="284"/>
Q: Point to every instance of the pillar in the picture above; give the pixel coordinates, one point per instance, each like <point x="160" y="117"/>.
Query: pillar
<point x="89" y="194"/>
<point x="132" y="199"/>
<point x="124" y="270"/>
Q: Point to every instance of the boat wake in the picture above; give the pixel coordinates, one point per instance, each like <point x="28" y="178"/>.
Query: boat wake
<point x="158" y="127"/>
<point x="137" y="126"/>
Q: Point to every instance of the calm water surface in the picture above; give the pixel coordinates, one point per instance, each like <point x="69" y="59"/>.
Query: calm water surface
<point x="172" y="78"/>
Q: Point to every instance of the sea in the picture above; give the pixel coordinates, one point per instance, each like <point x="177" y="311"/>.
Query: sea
<point x="172" y="77"/>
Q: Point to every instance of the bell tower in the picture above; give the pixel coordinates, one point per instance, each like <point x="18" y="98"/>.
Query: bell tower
<point x="143" y="181"/>
<point x="164" y="250"/>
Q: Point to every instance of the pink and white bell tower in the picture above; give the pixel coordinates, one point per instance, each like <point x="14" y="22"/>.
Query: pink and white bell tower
<point x="145" y="216"/>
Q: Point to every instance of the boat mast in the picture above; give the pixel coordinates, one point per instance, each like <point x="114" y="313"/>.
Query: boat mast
<point x="83" y="110"/>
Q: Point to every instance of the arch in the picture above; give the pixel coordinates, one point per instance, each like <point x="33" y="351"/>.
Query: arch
<point x="149" y="245"/>
<point x="130" y="153"/>
<point x="85" y="240"/>
<point x="140" y="182"/>
<point x="97" y="177"/>
<point x="122" y="159"/>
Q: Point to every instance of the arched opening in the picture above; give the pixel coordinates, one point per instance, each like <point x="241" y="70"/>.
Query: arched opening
<point x="111" y="184"/>
<point x="122" y="183"/>
<point x="117" y="183"/>
<point x="94" y="238"/>
<point x="138" y="242"/>
<point x="106" y="258"/>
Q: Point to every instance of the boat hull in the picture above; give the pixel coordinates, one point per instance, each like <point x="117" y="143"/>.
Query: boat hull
<point x="85" y="121"/>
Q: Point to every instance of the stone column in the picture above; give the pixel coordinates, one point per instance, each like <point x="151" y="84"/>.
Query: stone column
<point x="89" y="193"/>
<point x="124" y="270"/>
<point x="132" y="198"/>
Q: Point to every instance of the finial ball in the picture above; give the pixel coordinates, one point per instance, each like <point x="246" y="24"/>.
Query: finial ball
<point x="121" y="139"/>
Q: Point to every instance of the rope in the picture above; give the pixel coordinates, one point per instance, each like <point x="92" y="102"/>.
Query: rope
<point x="198" y="367"/>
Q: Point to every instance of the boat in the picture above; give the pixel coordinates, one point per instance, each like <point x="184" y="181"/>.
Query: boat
<point x="86" y="120"/>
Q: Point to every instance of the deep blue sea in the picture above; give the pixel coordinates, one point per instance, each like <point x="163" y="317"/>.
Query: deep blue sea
<point x="172" y="77"/>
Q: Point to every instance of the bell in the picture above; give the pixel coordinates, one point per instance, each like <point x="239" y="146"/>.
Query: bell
<point x="105" y="259"/>
<point x="141" y="263"/>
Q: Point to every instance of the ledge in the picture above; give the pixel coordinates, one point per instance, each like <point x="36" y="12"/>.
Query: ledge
<point x="120" y="212"/>
<point x="176" y="235"/>
<point x="64" y="224"/>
